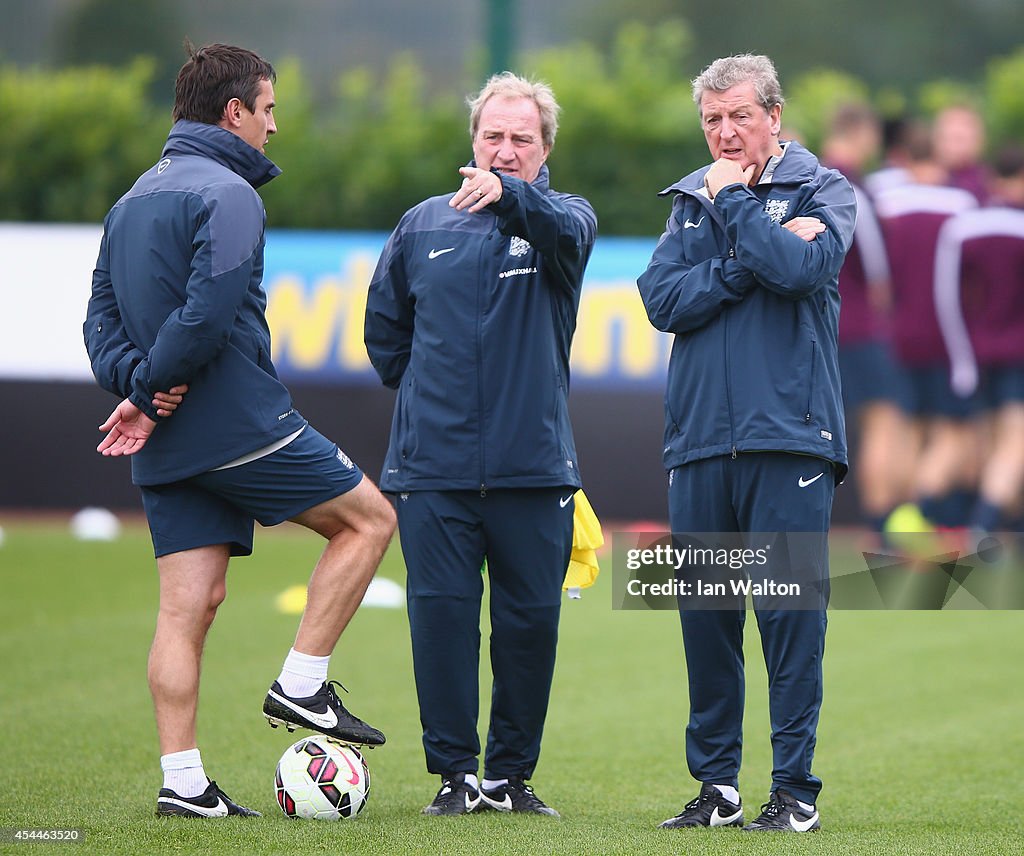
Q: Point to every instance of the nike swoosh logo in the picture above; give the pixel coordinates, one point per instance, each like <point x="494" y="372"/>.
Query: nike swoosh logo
<point x="219" y="810"/>
<point x="804" y="482"/>
<point x="354" y="778"/>
<point x="718" y="820"/>
<point x="323" y="720"/>
<point x="472" y="804"/>
<point x="803" y="825"/>
<point x="689" y="224"/>
<point x="562" y="503"/>
<point x="433" y="254"/>
<point x="504" y="805"/>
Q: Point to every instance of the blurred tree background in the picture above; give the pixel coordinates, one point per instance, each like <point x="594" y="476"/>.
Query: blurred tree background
<point x="371" y="96"/>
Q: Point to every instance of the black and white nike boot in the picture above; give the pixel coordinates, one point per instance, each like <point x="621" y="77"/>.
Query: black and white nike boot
<point x="212" y="802"/>
<point x="709" y="808"/>
<point x="456" y="796"/>
<point x="516" y="795"/>
<point x="323" y="712"/>
<point x="784" y="813"/>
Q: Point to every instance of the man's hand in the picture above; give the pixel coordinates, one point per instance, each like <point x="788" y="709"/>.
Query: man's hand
<point x="807" y="228"/>
<point x="480" y="187"/>
<point x="128" y="430"/>
<point x="167" y="402"/>
<point x="724" y="172"/>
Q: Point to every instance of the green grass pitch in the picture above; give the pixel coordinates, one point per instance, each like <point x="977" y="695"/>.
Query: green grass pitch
<point x="920" y="746"/>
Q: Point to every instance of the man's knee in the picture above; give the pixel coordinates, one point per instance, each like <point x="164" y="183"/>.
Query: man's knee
<point x="216" y="597"/>
<point x="385" y="520"/>
<point x="377" y="520"/>
<point x="193" y="583"/>
<point x="368" y="511"/>
<point x="363" y="510"/>
<point x="197" y="610"/>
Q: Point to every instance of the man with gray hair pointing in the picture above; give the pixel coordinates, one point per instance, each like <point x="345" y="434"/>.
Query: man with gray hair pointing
<point x="470" y="315"/>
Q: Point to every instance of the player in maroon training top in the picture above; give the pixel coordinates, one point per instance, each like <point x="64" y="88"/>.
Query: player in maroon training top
<point x="912" y="214"/>
<point x="874" y="388"/>
<point x="979" y="290"/>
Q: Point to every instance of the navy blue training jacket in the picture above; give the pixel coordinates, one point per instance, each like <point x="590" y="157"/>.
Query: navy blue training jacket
<point x="755" y="313"/>
<point x="177" y="297"/>
<point x="470" y="317"/>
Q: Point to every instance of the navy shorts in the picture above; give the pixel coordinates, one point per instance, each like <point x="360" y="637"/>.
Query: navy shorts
<point x="220" y="506"/>
<point x="932" y="395"/>
<point x="870" y="373"/>
<point x="1002" y="385"/>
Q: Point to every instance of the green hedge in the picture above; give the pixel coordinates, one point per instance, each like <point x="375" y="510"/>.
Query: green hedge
<point x="76" y="139"/>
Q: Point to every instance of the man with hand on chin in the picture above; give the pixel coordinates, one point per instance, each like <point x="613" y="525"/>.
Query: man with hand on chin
<point x="746" y="277"/>
<point x="470" y="316"/>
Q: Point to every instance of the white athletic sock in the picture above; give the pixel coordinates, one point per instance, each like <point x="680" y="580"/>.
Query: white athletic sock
<point x="302" y="674"/>
<point x="806" y="807"/>
<point x="491" y="784"/>
<point x="472" y="781"/>
<point x="729" y="792"/>
<point x="183" y="773"/>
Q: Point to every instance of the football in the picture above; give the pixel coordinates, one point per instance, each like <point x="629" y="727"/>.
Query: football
<point x="321" y="779"/>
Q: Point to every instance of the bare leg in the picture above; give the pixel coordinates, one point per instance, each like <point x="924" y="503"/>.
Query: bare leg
<point x="1003" y="474"/>
<point x="358" y="526"/>
<point x="949" y="459"/>
<point x="887" y="450"/>
<point x="192" y="586"/>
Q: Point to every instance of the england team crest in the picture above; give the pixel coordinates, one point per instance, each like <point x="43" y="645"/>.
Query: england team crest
<point x="518" y="247"/>
<point x="776" y="209"/>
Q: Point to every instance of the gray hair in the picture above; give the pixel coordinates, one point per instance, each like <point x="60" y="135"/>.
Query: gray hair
<point x="731" y="71"/>
<point x="509" y="85"/>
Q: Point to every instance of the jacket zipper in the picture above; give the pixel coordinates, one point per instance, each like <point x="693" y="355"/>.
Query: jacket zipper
<point x="810" y="391"/>
<point x="728" y="387"/>
<point x="480" y="359"/>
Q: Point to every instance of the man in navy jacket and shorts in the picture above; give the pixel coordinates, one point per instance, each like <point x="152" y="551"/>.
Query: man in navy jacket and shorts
<point x="176" y="328"/>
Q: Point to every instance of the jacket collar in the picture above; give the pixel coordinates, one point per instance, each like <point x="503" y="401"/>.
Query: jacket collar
<point x="795" y="165"/>
<point x="227" y="149"/>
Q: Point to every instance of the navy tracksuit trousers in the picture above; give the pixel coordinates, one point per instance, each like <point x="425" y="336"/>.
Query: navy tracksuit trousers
<point x="761" y="492"/>
<point x="526" y="537"/>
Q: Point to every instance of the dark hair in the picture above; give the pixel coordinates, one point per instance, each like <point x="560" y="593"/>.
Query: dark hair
<point x="918" y="141"/>
<point x="212" y="76"/>
<point x="852" y="117"/>
<point x="1009" y="161"/>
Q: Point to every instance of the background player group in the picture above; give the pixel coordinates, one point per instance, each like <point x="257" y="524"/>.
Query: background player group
<point x="931" y="350"/>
